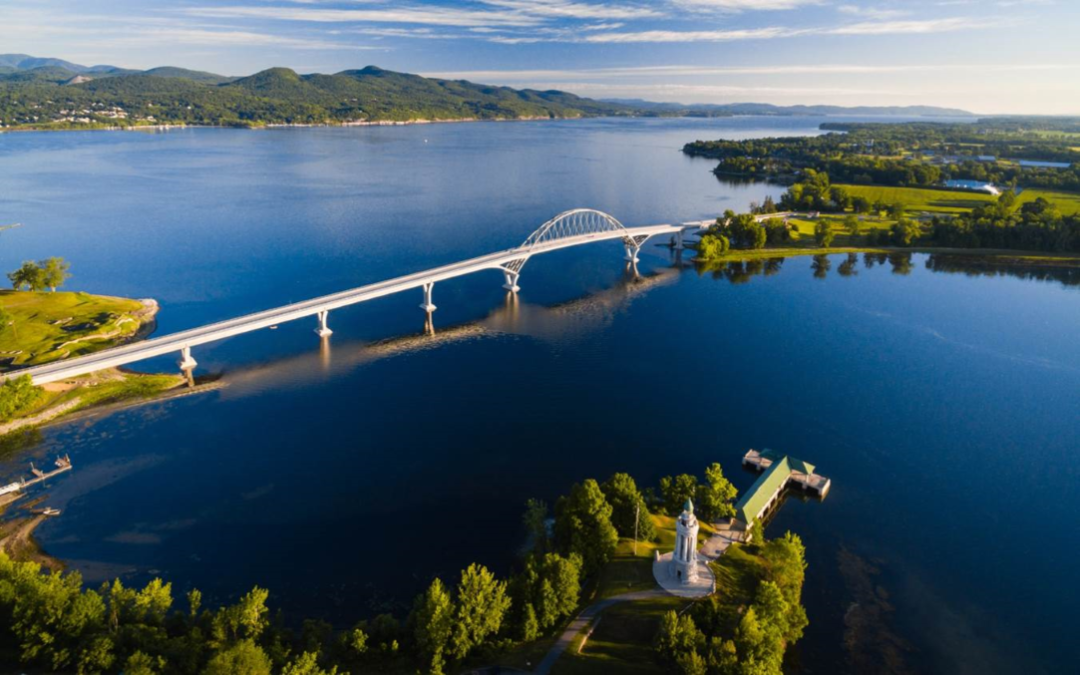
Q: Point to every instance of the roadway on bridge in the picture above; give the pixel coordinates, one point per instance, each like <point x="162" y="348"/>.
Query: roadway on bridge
<point x="177" y="342"/>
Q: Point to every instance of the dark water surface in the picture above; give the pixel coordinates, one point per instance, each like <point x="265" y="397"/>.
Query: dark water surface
<point x="945" y="407"/>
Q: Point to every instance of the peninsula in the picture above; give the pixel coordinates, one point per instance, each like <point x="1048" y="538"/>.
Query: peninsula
<point x="38" y="327"/>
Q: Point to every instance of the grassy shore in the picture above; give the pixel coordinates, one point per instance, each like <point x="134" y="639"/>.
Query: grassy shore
<point x="802" y="243"/>
<point x="46" y="327"/>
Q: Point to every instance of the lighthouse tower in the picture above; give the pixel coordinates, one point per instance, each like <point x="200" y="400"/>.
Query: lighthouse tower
<point x="684" y="560"/>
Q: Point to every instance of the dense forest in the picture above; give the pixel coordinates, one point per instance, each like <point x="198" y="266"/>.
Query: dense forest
<point x="913" y="154"/>
<point x="55" y="97"/>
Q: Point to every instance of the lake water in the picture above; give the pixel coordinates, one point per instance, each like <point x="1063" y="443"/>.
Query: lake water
<point x="943" y="405"/>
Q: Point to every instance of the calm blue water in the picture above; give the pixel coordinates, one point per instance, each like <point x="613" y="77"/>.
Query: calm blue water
<point x="943" y="406"/>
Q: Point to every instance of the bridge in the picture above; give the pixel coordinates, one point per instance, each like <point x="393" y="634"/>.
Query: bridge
<point x="570" y="228"/>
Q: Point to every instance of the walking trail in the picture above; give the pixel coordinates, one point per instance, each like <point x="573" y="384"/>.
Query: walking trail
<point x="582" y="620"/>
<point x="712" y="549"/>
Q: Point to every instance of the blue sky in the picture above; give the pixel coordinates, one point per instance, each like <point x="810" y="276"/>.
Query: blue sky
<point x="990" y="56"/>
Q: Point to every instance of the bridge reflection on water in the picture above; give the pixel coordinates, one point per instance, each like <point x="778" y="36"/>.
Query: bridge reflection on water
<point x="562" y="322"/>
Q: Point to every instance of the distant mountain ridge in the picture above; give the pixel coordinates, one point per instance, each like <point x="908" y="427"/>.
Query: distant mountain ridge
<point x="53" y="95"/>
<point x="57" y="94"/>
<point x="722" y="109"/>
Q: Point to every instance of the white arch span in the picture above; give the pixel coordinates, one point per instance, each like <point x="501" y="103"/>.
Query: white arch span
<point x="571" y="228"/>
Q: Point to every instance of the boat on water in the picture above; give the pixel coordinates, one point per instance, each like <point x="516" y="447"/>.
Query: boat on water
<point x="48" y="511"/>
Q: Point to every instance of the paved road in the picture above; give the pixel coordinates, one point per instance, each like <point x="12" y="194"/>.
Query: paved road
<point x="582" y="620"/>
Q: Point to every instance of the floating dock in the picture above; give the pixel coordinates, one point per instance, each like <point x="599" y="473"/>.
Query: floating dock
<point x="12" y="491"/>
<point x="779" y="472"/>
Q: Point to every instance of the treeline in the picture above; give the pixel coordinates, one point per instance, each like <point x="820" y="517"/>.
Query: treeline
<point x="49" y="621"/>
<point x="914" y="154"/>
<point x="274" y="96"/>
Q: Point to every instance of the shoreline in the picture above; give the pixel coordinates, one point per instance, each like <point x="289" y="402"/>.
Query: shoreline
<point x="293" y="125"/>
<point x="1005" y="256"/>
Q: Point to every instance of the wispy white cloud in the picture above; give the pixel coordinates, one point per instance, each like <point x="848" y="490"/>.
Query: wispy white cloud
<point x="692" y="36"/>
<point x="876" y="13"/>
<point x="433" y="16"/>
<point x="563" y="9"/>
<point x="546" y="75"/>
<point x="746" y="5"/>
<point x="945" y="25"/>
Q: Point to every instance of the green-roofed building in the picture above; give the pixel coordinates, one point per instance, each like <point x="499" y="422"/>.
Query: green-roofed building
<point x="779" y="470"/>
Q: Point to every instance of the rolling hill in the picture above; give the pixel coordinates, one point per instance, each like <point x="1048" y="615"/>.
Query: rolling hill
<point x="57" y="94"/>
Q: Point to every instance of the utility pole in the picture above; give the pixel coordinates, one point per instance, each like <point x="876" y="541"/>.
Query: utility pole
<point x="637" y="514"/>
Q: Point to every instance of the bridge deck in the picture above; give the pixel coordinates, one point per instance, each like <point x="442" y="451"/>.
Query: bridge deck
<point x="175" y="342"/>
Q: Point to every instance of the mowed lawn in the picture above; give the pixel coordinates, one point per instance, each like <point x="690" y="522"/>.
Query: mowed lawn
<point x="1067" y="202"/>
<point x="921" y="199"/>
<point x="46" y="326"/>
<point x="952" y="201"/>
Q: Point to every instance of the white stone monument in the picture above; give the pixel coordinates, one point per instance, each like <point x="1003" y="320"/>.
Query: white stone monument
<point x="684" y="560"/>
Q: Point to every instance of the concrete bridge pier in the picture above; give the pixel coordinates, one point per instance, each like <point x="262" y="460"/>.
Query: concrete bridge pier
<point x="187" y="364"/>
<point x="427" y="305"/>
<point x="632" y="251"/>
<point x="323" y="330"/>
<point x="511" y="281"/>
<point x="678" y="240"/>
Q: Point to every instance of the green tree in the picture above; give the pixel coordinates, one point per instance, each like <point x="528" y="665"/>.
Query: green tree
<point x="482" y="604"/>
<point x="840" y="199"/>
<point x="678" y="635"/>
<point x="675" y="491"/>
<point x="54" y="272"/>
<point x="583" y="526"/>
<point x="307" y="664"/>
<point x="18" y="395"/>
<point x="29" y="277"/>
<point x="530" y="626"/>
<point x="628" y="508"/>
<point x="786" y="558"/>
<point x="54" y="623"/>
<point x="852" y="223"/>
<point x="246" y="620"/>
<point x="713" y="500"/>
<point x="712" y="246"/>
<point x="549" y="587"/>
<point x="759" y="652"/>
<point x="434" y="621"/>
<point x="691" y="663"/>
<point x="905" y="232"/>
<point x="243" y="658"/>
<point x="824" y="233"/>
<point x="144" y="664"/>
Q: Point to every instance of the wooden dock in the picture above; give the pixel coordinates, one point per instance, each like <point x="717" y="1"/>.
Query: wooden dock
<point x="12" y="491"/>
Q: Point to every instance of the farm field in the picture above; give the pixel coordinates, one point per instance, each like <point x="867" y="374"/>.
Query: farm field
<point x="952" y="201"/>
